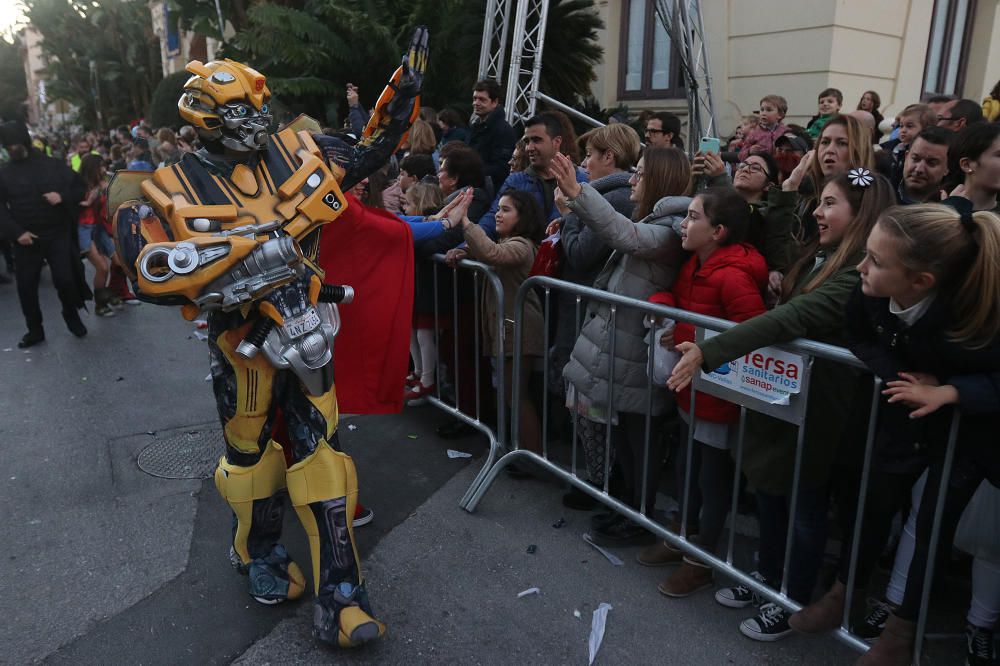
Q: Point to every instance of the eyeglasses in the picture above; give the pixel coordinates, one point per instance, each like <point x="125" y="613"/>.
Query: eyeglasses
<point x="946" y="119"/>
<point x="636" y="173"/>
<point x="752" y="167"/>
<point x="653" y="130"/>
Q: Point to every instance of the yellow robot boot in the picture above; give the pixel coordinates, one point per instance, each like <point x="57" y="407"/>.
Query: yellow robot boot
<point x="324" y="489"/>
<point x="256" y="496"/>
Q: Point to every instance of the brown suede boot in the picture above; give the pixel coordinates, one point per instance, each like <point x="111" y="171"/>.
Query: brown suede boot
<point x="689" y="577"/>
<point x="824" y="615"/>
<point x="660" y="554"/>
<point x="894" y="648"/>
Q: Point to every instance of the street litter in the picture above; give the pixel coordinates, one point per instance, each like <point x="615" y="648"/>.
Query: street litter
<point x="559" y="523"/>
<point x="597" y="629"/>
<point x="611" y="558"/>
<point x="577" y="614"/>
<point x="532" y="549"/>
<point x="411" y="436"/>
<point x="452" y="453"/>
<point x="352" y="427"/>
<point x="9" y="349"/>
<point x="201" y="335"/>
<point x="530" y="590"/>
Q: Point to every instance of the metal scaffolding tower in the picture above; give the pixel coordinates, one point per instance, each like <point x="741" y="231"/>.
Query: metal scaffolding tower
<point x="526" y="52"/>
<point x="683" y="22"/>
<point x="680" y="18"/>
<point x="494" y="48"/>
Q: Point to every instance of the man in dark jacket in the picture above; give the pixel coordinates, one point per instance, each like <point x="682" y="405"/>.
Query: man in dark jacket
<point x="490" y="134"/>
<point x="925" y="167"/>
<point x="38" y="208"/>
<point x="543" y="138"/>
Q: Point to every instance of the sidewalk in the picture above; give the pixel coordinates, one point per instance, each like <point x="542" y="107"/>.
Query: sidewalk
<point x="446" y="583"/>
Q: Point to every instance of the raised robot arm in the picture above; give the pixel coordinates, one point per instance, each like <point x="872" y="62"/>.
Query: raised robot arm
<point x="397" y="108"/>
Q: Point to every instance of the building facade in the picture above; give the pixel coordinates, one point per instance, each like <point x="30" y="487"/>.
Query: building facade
<point x="905" y="50"/>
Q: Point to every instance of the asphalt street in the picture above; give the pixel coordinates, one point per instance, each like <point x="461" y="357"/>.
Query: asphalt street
<point x="106" y="563"/>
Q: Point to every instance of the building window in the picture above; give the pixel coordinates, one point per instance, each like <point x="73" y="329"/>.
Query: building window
<point x="947" y="52"/>
<point x="648" y="66"/>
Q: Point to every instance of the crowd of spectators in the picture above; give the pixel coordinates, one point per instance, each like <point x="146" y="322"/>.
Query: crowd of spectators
<point x="876" y="234"/>
<point x="791" y="230"/>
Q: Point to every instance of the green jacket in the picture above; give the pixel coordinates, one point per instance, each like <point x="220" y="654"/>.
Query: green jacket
<point x="772" y="223"/>
<point x="769" y="449"/>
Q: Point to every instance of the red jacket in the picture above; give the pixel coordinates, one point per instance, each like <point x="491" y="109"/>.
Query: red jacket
<point x="729" y="285"/>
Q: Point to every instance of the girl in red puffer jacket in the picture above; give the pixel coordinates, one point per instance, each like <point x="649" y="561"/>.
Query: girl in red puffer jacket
<point x="725" y="278"/>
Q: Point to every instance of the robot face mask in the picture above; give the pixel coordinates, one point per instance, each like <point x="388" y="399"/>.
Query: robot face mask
<point x="243" y="126"/>
<point x="227" y="102"/>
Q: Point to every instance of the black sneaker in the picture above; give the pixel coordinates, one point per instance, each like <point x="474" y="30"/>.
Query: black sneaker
<point x="740" y="596"/>
<point x="871" y="627"/>
<point x="623" y="532"/>
<point x="979" y="647"/>
<point x="771" y="624"/>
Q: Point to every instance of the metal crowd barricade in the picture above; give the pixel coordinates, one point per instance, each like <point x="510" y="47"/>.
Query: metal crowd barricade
<point x="480" y="273"/>
<point x="793" y="410"/>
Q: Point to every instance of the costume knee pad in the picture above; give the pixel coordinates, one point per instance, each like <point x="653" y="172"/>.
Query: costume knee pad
<point x="250" y="492"/>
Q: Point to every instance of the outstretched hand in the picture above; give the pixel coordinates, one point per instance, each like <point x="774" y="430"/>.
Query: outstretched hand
<point x="562" y="169"/>
<point x="460" y="213"/>
<point x="920" y="392"/>
<point x="794" y="179"/>
<point x="689" y="363"/>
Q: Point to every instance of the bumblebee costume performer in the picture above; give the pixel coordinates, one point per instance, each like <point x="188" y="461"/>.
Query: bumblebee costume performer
<point x="233" y="231"/>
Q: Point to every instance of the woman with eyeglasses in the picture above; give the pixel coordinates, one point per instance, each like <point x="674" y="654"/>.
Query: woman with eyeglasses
<point x="772" y="210"/>
<point x="610" y="155"/>
<point x="646" y="258"/>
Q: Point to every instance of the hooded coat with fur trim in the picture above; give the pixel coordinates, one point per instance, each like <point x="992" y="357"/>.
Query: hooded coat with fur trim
<point x="645" y="259"/>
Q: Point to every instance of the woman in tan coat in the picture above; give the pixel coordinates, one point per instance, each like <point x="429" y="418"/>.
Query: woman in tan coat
<point x="520" y="226"/>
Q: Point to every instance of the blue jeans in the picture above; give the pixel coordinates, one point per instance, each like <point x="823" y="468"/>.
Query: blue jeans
<point x="808" y="540"/>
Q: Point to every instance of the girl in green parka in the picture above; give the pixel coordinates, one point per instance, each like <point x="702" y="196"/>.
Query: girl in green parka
<point x="814" y="295"/>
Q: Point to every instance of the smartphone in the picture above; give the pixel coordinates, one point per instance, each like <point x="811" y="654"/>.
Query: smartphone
<point x="709" y="144"/>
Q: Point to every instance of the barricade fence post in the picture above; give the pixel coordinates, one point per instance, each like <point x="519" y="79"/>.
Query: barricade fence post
<point x="737" y="471"/>
<point x="862" y="500"/>
<point x="795" y="404"/>
<point x="647" y="429"/>
<point x="545" y="373"/>
<point x="942" y="495"/>
<point x="498" y="434"/>
<point x="477" y="346"/>
<point x="609" y="419"/>
<point x="456" y="338"/>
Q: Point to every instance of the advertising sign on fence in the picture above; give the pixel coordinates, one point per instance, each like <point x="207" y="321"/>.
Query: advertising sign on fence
<point x="769" y="377"/>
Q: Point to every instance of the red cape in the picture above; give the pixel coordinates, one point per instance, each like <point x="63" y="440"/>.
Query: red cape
<point x="372" y="251"/>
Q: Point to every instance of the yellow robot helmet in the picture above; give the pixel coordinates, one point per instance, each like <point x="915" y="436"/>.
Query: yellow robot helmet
<point x="228" y="102"/>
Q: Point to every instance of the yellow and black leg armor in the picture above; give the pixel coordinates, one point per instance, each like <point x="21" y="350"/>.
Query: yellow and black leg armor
<point x="254" y="479"/>
<point x="256" y="495"/>
<point x="324" y="488"/>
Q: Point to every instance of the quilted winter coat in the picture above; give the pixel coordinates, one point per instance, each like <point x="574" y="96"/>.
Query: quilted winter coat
<point x="646" y="257"/>
<point x="729" y="285"/>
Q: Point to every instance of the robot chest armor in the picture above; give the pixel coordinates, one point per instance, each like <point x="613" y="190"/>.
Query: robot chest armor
<point x="288" y="188"/>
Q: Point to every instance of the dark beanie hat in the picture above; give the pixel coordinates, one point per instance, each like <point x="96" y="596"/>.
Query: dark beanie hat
<point x="15" y="133"/>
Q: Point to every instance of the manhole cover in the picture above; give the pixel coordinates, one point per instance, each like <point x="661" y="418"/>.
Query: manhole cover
<point x="187" y="455"/>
